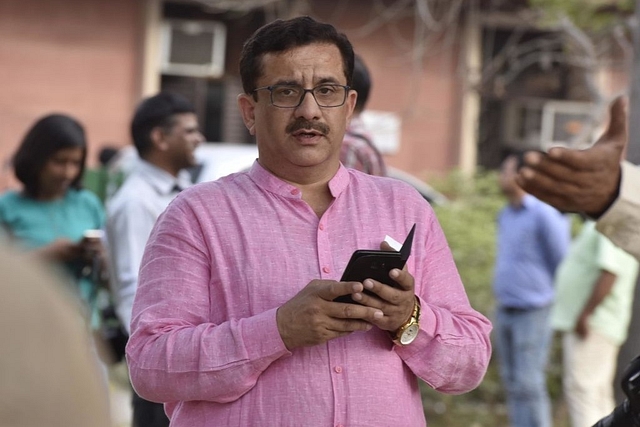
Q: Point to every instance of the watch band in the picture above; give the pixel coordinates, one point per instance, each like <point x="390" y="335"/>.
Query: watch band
<point x="408" y="331"/>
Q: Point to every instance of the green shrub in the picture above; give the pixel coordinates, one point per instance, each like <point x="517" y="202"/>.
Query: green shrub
<point x="469" y="223"/>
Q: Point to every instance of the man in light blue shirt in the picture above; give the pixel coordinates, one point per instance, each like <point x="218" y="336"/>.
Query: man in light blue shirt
<point x="165" y="133"/>
<point x="532" y="239"/>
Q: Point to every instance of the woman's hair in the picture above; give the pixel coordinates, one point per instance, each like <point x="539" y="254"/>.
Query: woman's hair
<point x="280" y="36"/>
<point x="46" y="137"/>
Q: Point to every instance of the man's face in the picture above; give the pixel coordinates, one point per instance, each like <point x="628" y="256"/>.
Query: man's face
<point x="180" y="141"/>
<point x="291" y="140"/>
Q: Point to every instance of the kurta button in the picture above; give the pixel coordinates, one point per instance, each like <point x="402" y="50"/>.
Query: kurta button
<point x="326" y="269"/>
<point x="338" y="369"/>
<point x="321" y="226"/>
<point x="295" y="191"/>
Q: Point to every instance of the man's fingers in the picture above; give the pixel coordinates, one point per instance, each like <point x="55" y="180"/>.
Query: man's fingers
<point x="355" y="312"/>
<point x="557" y="163"/>
<point x="337" y="289"/>
<point x="385" y="246"/>
<point x="545" y="186"/>
<point x="546" y="175"/>
<point x="563" y="163"/>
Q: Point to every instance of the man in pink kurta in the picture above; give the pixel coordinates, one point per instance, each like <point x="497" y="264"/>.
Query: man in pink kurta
<point x="234" y="322"/>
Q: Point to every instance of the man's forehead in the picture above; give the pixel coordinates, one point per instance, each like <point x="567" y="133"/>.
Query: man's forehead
<point x="185" y="120"/>
<point x="323" y="61"/>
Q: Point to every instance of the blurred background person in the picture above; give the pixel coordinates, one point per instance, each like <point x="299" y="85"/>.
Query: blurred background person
<point x="532" y="239"/>
<point x="165" y="133"/>
<point x="358" y="151"/>
<point x="51" y="213"/>
<point x="50" y="377"/>
<point x="594" y="295"/>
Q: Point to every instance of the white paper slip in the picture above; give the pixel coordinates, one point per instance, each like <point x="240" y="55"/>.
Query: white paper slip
<point x="393" y="242"/>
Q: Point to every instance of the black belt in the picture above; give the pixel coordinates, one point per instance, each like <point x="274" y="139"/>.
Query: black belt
<point x="516" y="310"/>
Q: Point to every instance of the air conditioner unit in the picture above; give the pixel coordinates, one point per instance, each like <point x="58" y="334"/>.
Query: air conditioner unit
<point x="540" y="124"/>
<point x="566" y="123"/>
<point x="522" y="124"/>
<point x="193" y="48"/>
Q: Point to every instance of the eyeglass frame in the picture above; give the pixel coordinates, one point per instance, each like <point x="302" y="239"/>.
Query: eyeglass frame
<point x="304" y="94"/>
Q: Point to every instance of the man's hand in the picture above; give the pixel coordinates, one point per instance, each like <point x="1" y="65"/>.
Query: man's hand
<point x="582" y="326"/>
<point x="60" y="250"/>
<point x="601" y="290"/>
<point x="580" y="180"/>
<point x="396" y="304"/>
<point x="312" y="317"/>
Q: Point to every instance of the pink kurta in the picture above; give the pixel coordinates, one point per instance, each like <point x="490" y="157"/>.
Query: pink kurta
<point x="226" y="254"/>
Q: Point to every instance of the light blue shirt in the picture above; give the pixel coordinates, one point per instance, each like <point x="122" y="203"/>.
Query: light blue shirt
<point x="131" y="214"/>
<point x="532" y="240"/>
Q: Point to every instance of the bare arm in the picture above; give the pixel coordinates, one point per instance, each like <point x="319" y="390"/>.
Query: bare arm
<point x="600" y="291"/>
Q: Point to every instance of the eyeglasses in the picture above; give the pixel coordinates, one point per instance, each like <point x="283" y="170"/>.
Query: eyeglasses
<point x="291" y="96"/>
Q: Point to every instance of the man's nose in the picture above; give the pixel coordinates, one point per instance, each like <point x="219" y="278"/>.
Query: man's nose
<point x="308" y="107"/>
<point x="200" y="138"/>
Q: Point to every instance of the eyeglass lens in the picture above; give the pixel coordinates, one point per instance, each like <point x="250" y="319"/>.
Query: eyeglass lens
<point x="292" y="96"/>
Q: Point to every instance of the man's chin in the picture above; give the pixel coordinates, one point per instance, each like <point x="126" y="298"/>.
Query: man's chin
<point x="192" y="162"/>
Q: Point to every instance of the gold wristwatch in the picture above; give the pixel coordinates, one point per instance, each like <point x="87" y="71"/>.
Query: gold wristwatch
<point x="408" y="332"/>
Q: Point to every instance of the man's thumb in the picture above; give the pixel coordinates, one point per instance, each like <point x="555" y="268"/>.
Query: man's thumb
<point x="616" y="131"/>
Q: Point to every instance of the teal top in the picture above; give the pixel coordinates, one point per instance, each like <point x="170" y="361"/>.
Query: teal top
<point x="576" y="277"/>
<point x="32" y="223"/>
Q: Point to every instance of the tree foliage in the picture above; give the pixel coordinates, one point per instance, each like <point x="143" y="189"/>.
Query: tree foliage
<point x="469" y="223"/>
<point x="590" y="15"/>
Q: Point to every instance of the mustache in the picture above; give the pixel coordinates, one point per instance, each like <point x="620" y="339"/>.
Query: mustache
<point x="304" y="124"/>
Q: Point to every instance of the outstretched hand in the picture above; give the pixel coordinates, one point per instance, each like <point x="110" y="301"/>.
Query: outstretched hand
<point x="580" y="180"/>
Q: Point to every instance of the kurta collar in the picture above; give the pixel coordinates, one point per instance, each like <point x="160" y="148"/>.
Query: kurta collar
<point x="273" y="184"/>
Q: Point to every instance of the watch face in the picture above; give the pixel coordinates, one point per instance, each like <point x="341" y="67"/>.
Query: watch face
<point x="409" y="334"/>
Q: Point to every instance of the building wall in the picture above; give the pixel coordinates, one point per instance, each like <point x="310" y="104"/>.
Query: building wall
<point x="79" y="57"/>
<point x="425" y="92"/>
<point x="85" y="58"/>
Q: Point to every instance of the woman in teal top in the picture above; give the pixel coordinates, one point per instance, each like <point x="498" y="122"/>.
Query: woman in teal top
<point x="50" y="215"/>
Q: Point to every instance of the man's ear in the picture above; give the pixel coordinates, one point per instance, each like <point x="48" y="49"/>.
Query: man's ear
<point x="352" y="96"/>
<point x="247" y="107"/>
<point x="157" y="139"/>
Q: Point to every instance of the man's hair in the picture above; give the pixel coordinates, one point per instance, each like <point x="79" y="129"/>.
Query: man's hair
<point x="361" y="83"/>
<point x="280" y="36"/>
<point x="47" y="136"/>
<point x="153" y="112"/>
<point x="517" y="154"/>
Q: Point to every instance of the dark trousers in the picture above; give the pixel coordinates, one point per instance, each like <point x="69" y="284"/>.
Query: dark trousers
<point x="148" y="414"/>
